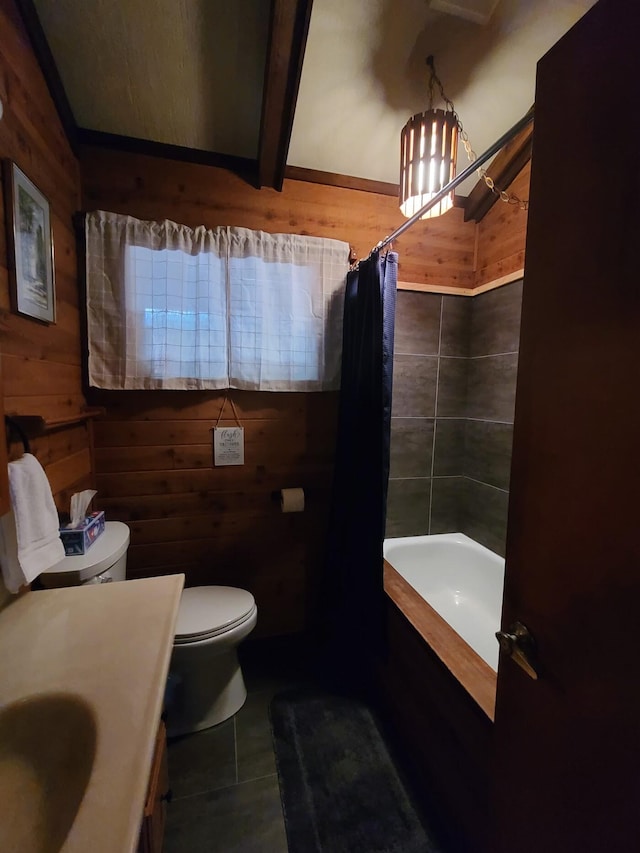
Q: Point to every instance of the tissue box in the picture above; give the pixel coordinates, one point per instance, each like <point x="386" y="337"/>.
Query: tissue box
<point x="77" y="540"/>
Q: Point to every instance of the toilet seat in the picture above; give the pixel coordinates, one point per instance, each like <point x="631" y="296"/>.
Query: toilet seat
<point x="208" y="611"/>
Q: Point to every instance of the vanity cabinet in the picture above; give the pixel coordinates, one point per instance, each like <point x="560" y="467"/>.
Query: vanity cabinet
<point x="4" y="476"/>
<point x="158" y="794"/>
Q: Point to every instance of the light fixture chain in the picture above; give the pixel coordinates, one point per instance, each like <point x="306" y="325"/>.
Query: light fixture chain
<point x="503" y="195"/>
<point x="508" y="198"/>
<point x="433" y="80"/>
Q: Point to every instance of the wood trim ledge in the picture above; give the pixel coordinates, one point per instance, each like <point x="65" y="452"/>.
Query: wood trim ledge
<point x="475" y="675"/>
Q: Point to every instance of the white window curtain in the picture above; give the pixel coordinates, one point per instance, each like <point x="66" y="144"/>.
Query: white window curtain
<point x="180" y="308"/>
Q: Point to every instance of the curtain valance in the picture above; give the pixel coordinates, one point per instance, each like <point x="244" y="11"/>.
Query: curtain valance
<point x="195" y="308"/>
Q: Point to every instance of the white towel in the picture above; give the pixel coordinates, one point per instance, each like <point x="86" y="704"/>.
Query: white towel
<point x="30" y="541"/>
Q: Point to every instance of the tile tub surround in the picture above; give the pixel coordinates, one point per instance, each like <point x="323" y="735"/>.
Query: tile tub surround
<point x="452" y="418"/>
<point x="415" y="381"/>
<point x="412" y="448"/>
<point x="408" y="502"/>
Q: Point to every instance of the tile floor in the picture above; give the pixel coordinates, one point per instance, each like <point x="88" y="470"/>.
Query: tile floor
<point x="225" y="787"/>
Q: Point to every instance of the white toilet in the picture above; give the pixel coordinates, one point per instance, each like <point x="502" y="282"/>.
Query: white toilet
<point x="105" y="561"/>
<point x="205" y="679"/>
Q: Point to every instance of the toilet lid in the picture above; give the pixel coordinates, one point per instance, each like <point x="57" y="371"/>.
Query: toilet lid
<point x="207" y="609"/>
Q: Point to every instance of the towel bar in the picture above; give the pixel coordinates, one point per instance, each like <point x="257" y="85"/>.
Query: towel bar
<point x="16" y="433"/>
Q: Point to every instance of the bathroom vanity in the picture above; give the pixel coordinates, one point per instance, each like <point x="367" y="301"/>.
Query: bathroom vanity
<point x="158" y="795"/>
<point x="82" y="679"/>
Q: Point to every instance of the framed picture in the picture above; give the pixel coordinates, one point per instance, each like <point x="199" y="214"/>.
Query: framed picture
<point x="30" y="246"/>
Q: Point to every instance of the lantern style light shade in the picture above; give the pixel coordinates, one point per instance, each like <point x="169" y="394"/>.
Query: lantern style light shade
<point x="428" y="149"/>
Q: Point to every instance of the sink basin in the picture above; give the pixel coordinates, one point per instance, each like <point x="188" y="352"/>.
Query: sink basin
<point x="82" y="677"/>
<point x="47" y="750"/>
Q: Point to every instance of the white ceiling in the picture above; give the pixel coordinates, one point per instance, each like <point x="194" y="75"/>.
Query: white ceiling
<point x="183" y="72"/>
<point x="189" y="72"/>
<point x="365" y="74"/>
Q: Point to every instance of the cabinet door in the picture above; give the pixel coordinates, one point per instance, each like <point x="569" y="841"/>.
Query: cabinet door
<point x="155" y="810"/>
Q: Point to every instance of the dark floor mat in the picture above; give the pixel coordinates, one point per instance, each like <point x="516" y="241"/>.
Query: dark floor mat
<point x="341" y="790"/>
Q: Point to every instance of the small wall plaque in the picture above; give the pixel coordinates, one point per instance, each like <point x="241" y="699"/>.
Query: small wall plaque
<point x="228" y="446"/>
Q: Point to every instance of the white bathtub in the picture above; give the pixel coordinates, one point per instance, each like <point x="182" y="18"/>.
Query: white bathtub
<point x="460" y="579"/>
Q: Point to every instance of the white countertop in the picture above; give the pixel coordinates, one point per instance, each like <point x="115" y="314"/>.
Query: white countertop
<point x="110" y="646"/>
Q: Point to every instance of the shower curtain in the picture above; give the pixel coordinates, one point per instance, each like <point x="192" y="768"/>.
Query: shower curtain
<point x="354" y="577"/>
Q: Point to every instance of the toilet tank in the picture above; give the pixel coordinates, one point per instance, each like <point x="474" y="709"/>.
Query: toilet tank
<point x="107" y="554"/>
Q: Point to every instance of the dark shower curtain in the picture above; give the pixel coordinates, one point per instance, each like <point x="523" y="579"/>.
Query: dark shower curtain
<point x="355" y="586"/>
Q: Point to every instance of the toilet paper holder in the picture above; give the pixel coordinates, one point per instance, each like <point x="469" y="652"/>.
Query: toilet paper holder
<point x="277" y="496"/>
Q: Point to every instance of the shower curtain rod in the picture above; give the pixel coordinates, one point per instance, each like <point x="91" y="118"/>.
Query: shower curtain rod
<point x="471" y="168"/>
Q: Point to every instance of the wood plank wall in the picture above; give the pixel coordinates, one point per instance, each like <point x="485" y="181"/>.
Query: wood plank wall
<point x="41" y="364"/>
<point x="437" y="253"/>
<point x="153" y="449"/>
<point x="153" y="456"/>
<point x="502" y="235"/>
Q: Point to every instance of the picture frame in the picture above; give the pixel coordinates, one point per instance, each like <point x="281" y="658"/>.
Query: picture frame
<point x="29" y="246"/>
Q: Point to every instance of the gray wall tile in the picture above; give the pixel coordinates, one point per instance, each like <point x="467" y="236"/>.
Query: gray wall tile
<point x="414" y="386"/>
<point x="452" y="388"/>
<point x="417" y="329"/>
<point x="456" y="325"/>
<point x="411" y="447"/>
<point x="487" y="455"/>
<point x="491" y="387"/>
<point x="495" y="320"/>
<point x="449" y="457"/>
<point x="485" y="515"/>
<point x="408" y="507"/>
<point x="447" y="505"/>
<point x="475" y="404"/>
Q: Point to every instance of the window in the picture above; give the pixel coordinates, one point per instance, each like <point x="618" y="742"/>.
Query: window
<point x="174" y="307"/>
<point x="178" y="304"/>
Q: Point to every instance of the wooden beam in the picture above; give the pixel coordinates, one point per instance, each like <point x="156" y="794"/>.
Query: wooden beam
<point x="333" y="179"/>
<point x="349" y="182"/>
<point x="287" y="42"/>
<point x="242" y="166"/>
<point x="505" y="167"/>
<point x="49" y="69"/>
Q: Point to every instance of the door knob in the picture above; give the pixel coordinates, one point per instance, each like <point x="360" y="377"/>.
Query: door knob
<point x="518" y="644"/>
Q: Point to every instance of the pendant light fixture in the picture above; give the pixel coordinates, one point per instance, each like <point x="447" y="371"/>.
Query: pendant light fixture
<point x="428" y="151"/>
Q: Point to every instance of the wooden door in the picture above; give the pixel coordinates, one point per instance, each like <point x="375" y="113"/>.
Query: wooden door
<point x="566" y="775"/>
